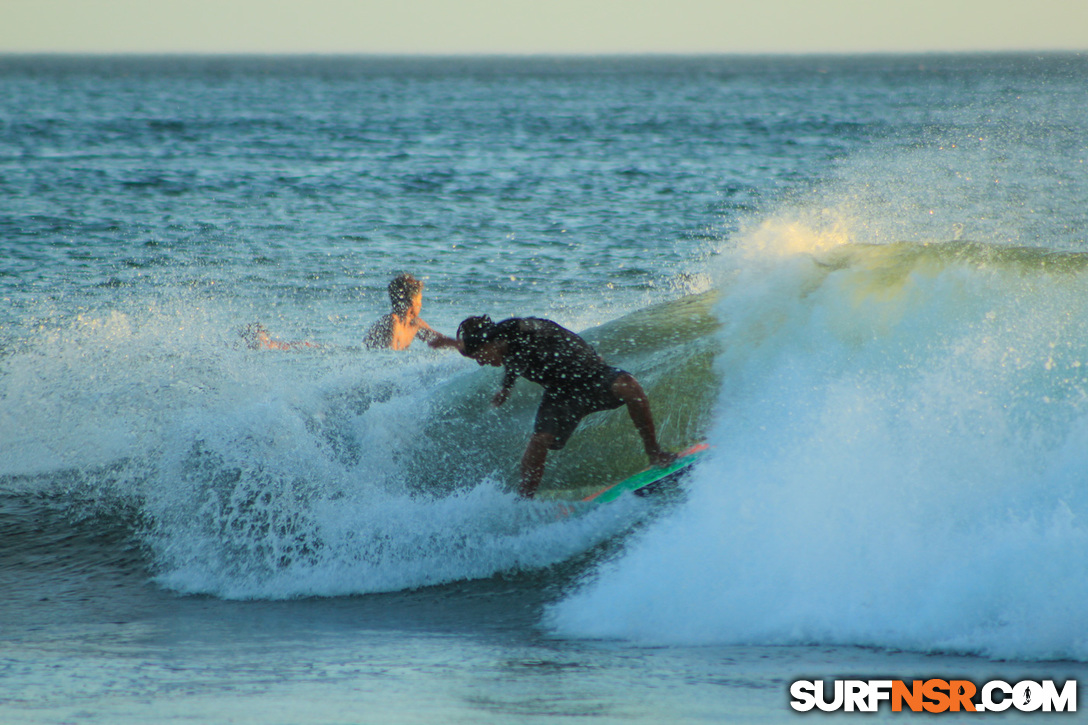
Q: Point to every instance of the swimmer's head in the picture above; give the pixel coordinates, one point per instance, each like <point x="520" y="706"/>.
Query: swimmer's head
<point x="403" y="290"/>
<point x="254" y="335"/>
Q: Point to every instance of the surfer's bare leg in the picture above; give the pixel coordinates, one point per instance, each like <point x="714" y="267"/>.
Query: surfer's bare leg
<point x="532" y="463"/>
<point x="627" y="389"/>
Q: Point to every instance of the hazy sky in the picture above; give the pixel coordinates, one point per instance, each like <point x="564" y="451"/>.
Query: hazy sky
<point x="540" y="26"/>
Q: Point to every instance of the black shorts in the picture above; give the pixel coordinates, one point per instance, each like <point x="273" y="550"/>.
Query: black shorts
<point x="562" y="409"/>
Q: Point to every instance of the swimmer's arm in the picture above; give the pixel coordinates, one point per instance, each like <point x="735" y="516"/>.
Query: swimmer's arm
<point x="442" y="341"/>
<point x="433" y="337"/>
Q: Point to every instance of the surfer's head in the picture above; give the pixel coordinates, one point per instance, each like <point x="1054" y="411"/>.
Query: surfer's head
<point x="478" y="340"/>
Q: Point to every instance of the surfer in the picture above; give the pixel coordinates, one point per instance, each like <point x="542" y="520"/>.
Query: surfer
<point x="396" y="330"/>
<point x="575" y="378"/>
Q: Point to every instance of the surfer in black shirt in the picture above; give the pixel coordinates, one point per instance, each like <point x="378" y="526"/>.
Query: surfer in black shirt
<point x="576" y="382"/>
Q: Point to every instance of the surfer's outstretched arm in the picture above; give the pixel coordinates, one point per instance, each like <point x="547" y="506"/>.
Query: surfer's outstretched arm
<point x="627" y="389"/>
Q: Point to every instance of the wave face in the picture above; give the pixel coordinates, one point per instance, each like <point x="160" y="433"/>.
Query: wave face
<point x="899" y="459"/>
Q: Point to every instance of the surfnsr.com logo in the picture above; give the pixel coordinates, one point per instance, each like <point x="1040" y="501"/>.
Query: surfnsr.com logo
<point x="934" y="696"/>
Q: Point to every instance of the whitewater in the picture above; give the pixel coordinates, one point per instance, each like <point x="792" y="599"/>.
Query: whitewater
<point x="899" y="439"/>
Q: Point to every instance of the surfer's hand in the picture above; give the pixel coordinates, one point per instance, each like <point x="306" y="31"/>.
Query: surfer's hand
<point x="500" y="397"/>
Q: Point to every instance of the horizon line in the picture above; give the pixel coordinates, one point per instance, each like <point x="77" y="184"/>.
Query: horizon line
<point x="529" y="55"/>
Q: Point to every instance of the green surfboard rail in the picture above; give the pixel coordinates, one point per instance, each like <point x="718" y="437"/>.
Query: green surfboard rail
<point x="648" y="476"/>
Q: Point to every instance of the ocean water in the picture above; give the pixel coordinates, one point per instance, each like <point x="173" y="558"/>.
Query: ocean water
<point x="861" y="279"/>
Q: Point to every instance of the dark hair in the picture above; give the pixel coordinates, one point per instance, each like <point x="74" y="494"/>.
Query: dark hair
<point x="251" y="334"/>
<point x="401" y="291"/>
<point x="474" y="333"/>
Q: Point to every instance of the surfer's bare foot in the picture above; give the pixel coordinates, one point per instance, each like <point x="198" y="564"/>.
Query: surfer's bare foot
<point x="662" y="458"/>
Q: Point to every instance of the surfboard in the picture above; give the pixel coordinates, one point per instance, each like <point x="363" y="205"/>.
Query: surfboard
<point x="648" y="481"/>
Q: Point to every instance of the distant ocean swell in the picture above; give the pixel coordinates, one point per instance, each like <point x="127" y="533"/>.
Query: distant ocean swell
<point x="899" y="459"/>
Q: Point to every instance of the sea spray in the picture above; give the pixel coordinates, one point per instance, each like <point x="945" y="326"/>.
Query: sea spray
<point x="257" y="507"/>
<point x="268" y="474"/>
<point x="898" y="462"/>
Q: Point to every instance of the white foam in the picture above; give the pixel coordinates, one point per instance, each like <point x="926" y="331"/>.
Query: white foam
<point x="898" y="462"/>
